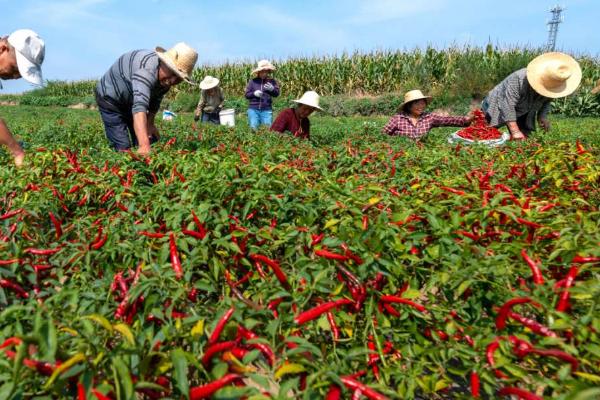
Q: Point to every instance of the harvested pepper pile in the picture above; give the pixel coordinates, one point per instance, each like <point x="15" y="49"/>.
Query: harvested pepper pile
<point x="479" y="129"/>
<point x="265" y="267"/>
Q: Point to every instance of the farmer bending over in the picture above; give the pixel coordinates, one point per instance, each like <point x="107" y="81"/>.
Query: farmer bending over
<point x="21" y="56"/>
<point x="211" y="101"/>
<point x="525" y="95"/>
<point x="259" y="92"/>
<point x="295" y="120"/>
<point x="414" y="123"/>
<point x="130" y="93"/>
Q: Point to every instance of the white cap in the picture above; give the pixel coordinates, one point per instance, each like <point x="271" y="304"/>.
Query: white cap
<point x="30" y="49"/>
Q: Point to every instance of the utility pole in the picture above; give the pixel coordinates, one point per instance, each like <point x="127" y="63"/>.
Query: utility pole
<point x="557" y="18"/>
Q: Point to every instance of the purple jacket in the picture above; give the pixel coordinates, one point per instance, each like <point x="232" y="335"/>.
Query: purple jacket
<point x="265" y="102"/>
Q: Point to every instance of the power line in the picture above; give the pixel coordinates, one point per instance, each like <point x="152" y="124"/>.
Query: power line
<point x="553" y="24"/>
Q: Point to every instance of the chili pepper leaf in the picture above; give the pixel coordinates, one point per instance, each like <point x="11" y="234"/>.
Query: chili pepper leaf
<point x="180" y="371"/>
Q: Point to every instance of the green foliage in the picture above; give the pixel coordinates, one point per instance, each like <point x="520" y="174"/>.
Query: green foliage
<point x="119" y="321"/>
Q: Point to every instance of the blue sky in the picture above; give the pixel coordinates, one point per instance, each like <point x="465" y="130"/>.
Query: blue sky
<point x="84" y="37"/>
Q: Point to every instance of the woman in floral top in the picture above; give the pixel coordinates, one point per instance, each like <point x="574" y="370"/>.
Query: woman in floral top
<point x="414" y="123"/>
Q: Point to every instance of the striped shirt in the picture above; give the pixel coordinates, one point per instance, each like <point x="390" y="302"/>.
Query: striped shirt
<point x="514" y="98"/>
<point x="401" y="124"/>
<point x="131" y="84"/>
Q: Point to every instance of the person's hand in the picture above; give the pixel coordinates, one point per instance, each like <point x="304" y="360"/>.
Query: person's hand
<point x="144" y="150"/>
<point x="545" y="124"/>
<point x="258" y="93"/>
<point x="517" y="135"/>
<point x="153" y="132"/>
<point x="196" y="117"/>
<point x="268" y="87"/>
<point x="19" y="158"/>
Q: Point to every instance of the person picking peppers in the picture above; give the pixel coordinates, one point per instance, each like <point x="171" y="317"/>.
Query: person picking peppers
<point x="295" y="120"/>
<point x="211" y="101"/>
<point x="259" y="92"/>
<point x="21" y="56"/>
<point x="526" y="95"/>
<point x="414" y="123"/>
<point x="130" y="93"/>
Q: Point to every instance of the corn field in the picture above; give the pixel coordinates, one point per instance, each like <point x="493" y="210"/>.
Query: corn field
<point x="456" y="72"/>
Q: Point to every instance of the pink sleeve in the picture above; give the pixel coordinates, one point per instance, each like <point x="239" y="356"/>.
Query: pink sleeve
<point x="391" y="128"/>
<point x="441" y="120"/>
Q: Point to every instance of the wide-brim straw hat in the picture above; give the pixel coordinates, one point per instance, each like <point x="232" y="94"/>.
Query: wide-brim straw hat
<point x="554" y="75"/>
<point x="263" y="65"/>
<point x="181" y="59"/>
<point x="311" y="99"/>
<point x="209" y="82"/>
<point x="415" y="95"/>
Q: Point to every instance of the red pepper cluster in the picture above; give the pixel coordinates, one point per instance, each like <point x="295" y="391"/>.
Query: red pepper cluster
<point x="479" y="129"/>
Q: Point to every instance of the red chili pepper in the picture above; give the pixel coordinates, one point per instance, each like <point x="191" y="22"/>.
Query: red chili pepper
<point x="42" y="252"/>
<point x="99" y="395"/>
<point x="538" y="278"/>
<point x="335" y="332"/>
<point x="205" y="391"/>
<point x="175" y="262"/>
<point x="263" y="348"/>
<point x="316" y="239"/>
<point x="452" y="190"/>
<point x="584" y="260"/>
<point x="390" y="309"/>
<point x="110" y="193"/>
<point x="200" y="225"/>
<point x="490" y="350"/>
<point x="7" y="284"/>
<point x="353" y="384"/>
<point x="100" y="240"/>
<point x="470" y="235"/>
<point x="331" y="256"/>
<point x="520" y="393"/>
<point x="10" y="214"/>
<point x="315" y="312"/>
<point x="475" y="384"/>
<point x="154" y="235"/>
<point x="57" y="225"/>
<point x="81" y="395"/>
<point x="397" y="299"/>
<point x="563" y="301"/>
<point x="529" y="223"/>
<point x="365" y="222"/>
<point x="11" y="341"/>
<point x="534" y="326"/>
<point x="580" y="149"/>
<point x="217" y="348"/>
<point x="373" y="357"/>
<point x="8" y="262"/>
<point x="274" y="265"/>
<point x="194" y="234"/>
<point x="334" y="393"/>
<point x="507" y="307"/>
<point x="83" y="200"/>
<point x="214" y="337"/>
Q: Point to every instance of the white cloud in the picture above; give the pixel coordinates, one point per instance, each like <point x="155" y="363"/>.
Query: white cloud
<point x="373" y="11"/>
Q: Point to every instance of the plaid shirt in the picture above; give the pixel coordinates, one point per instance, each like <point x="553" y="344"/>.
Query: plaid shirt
<point x="401" y="124"/>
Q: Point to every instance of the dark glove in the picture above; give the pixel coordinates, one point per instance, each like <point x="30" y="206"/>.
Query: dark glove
<point x="196" y="118"/>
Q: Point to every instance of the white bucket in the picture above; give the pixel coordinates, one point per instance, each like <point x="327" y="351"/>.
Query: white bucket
<point x="227" y="117"/>
<point x="168" y="115"/>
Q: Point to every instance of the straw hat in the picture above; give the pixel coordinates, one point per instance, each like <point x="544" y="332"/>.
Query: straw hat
<point x="263" y="65"/>
<point x="209" y="82"/>
<point x="554" y="75"/>
<point x="310" y="99"/>
<point x="181" y="59"/>
<point x="414" y="95"/>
